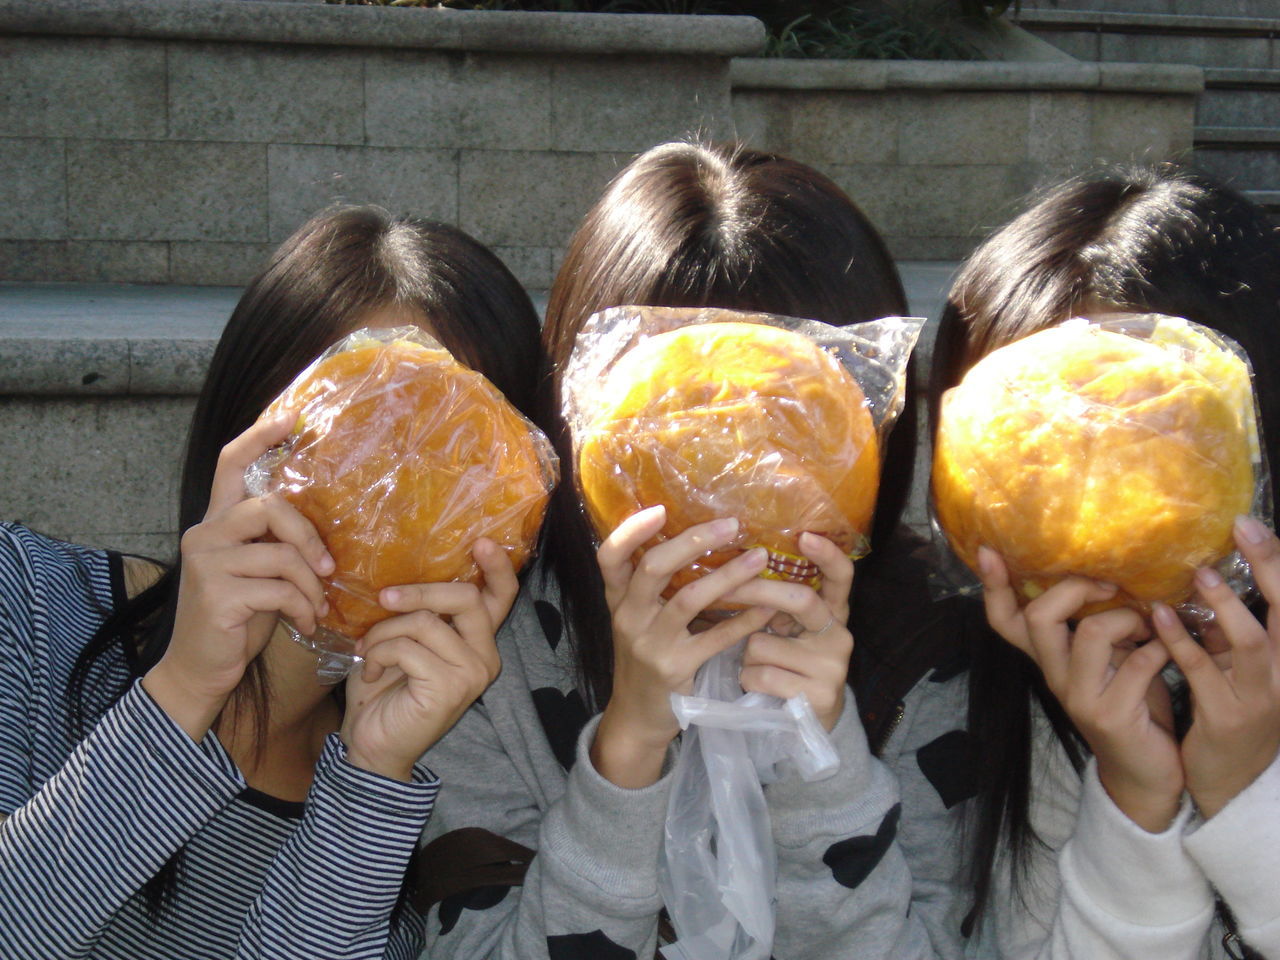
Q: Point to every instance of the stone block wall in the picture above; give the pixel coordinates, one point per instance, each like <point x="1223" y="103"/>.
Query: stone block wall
<point x="181" y="150"/>
<point x="940" y="154"/>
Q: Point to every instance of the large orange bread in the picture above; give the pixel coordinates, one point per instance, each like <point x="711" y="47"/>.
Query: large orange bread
<point x="402" y="458"/>
<point x="1078" y="450"/>
<point x="734" y="419"/>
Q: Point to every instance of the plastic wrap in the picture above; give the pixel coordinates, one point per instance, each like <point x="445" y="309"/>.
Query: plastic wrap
<point x="715" y="413"/>
<point x="1120" y="448"/>
<point x="402" y="458"/>
<point x="718" y="867"/>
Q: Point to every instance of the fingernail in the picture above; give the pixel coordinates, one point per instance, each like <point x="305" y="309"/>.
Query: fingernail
<point x="1207" y="578"/>
<point x="1163" y="615"/>
<point x="327" y="564"/>
<point x="1109" y="587"/>
<point x="756" y="557"/>
<point x="1251" y="529"/>
<point x="324" y="608"/>
<point x="726" y="527"/>
<point x="986" y="560"/>
<point x="390" y="596"/>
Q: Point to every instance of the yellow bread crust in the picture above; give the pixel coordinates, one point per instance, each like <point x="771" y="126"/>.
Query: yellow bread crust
<point x="740" y="420"/>
<point x="402" y="459"/>
<point x="1082" y="451"/>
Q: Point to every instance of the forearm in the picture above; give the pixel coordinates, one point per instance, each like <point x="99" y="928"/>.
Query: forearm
<point x="333" y="887"/>
<point x="74" y="853"/>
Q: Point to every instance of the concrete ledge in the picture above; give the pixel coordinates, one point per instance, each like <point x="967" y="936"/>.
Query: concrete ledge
<point x="360" y="26"/>
<point x="1169" y="23"/>
<point x="1245" y="138"/>
<point x="1235" y="77"/>
<point x="954" y="75"/>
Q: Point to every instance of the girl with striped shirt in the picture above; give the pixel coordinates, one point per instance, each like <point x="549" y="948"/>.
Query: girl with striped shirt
<point x="175" y="780"/>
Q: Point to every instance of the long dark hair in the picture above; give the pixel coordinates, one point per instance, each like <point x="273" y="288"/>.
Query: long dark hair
<point x="336" y="269"/>
<point x="1162" y="239"/>
<point x="691" y="224"/>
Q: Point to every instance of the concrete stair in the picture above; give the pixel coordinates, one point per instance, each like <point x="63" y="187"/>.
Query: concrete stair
<point x="1237" y="42"/>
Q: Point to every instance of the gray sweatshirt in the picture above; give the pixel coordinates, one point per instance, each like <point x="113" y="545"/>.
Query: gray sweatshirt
<point x="517" y="764"/>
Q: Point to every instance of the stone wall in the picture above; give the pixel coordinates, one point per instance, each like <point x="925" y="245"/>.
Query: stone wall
<point x="177" y="141"/>
<point x="940" y="154"/>
<point x="172" y="141"/>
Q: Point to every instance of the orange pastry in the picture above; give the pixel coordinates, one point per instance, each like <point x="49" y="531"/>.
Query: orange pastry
<point x="1083" y="451"/>
<point x="740" y="420"/>
<point x="402" y="458"/>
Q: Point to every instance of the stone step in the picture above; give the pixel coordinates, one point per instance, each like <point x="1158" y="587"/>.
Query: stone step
<point x="1247" y="158"/>
<point x="1220" y="8"/>
<point x="1239" y="98"/>
<point x="1209" y="41"/>
<point x="1267" y="199"/>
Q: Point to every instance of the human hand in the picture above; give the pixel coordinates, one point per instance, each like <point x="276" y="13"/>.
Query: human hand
<point x="1109" y="686"/>
<point x="808" y="645"/>
<point x="655" y="651"/>
<point x="234" y="586"/>
<point x="421" y="670"/>
<point x="1235" y="706"/>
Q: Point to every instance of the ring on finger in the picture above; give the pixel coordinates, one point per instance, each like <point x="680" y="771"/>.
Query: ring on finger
<point x="825" y="627"/>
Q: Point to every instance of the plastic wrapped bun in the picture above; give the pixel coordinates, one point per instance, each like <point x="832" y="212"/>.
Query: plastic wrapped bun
<point x="402" y="458"/>
<point x="1120" y="450"/>
<point x="714" y="413"/>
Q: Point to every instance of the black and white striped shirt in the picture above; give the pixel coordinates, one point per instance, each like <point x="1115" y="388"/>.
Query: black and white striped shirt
<point x="88" y="824"/>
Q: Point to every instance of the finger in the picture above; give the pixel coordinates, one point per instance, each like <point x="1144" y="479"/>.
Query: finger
<point x="402" y="653"/>
<point x="1001" y="600"/>
<point x="693" y="598"/>
<point x="772" y="680"/>
<point x="804" y="604"/>
<point x="500" y="582"/>
<point x="463" y="602"/>
<point x="766" y="649"/>
<point x="1208" y="684"/>
<point x="653" y="572"/>
<point x="1260" y="547"/>
<point x="278" y="596"/>
<point x="615" y="553"/>
<point x="1096" y="638"/>
<point x="1251" y="647"/>
<point x="228" y="476"/>
<point x="1133" y="678"/>
<point x="1047" y="627"/>
<point x="278" y="561"/>
<point x="272" y="516"/>
<point x="837" y="572"/>
<point x="727" y="632"/>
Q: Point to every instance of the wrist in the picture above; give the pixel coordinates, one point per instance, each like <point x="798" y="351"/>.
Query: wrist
<point x="1152" y="810"/>
<point x="626" y="756"/>
<point x="192" y="710"/>
<point x="391" y="768"/>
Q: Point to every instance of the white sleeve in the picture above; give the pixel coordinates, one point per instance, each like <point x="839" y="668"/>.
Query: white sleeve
<point x="1101" y="887"/>
<point x="1239" y="851"/>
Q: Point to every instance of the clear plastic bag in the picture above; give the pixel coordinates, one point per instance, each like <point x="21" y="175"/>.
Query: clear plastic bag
<point x="718" y="867"/>
<point x="402" y="458"/>
<point x="715" y="413"/>
<point x="1119" y="448"/>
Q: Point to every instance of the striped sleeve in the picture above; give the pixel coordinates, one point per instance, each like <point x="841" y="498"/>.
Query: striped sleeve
<point x="129" y="796"/>
<point x="333" y="886"/>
